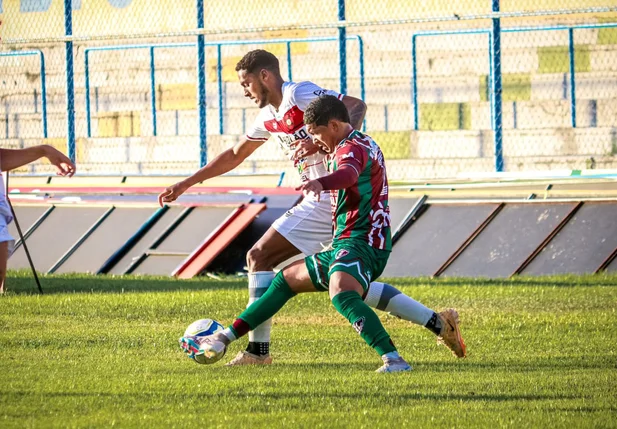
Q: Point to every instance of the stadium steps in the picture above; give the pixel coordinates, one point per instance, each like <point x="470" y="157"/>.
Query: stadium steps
<point x="464" y="89"/>
<point x="516" y="143"/>
<point x="398" y="170"/>
<point x="410" y="154"/>
<point x="541" y="114"/>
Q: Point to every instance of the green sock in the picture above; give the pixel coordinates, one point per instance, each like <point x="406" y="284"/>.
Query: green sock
<point x="364" y="321"/>
<point x="265" y="307"/>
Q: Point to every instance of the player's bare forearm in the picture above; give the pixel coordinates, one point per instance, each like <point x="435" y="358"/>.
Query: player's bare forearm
<point x="226" y="161"/>
<point x="357" y="110"/>
<point x="220" y="165"/>
<point x="15" y="158"/>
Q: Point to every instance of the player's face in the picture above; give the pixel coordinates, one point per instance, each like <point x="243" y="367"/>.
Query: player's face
<point x="324" y="136"/>
<point x="254" y="88"/>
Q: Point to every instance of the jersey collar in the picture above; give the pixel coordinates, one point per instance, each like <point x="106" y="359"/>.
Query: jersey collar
<point x="348" y="137"/>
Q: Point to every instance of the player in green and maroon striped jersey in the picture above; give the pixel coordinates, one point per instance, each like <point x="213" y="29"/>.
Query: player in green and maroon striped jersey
<point x="360" y="248"/>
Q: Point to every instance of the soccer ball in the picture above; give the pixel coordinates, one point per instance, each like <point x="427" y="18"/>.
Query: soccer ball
<point x="203" y="328"/>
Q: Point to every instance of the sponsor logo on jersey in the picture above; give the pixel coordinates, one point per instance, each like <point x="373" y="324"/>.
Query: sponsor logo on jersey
<point x="287" y="139"/>
<point x="301" y="164"/>
<point x="358" y="325"/>
<point x="320" y="92"/>
<point x="291" y="122"/>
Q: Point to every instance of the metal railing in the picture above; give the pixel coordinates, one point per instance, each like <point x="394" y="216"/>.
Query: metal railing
<point x="495" y="116"/>
<point x="43" y="84"/>
<point x="341" y="24"/>
<point x="219" y="68"/>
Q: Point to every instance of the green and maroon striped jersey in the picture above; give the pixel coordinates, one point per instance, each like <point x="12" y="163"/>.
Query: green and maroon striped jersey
<point x="361" y="211"/>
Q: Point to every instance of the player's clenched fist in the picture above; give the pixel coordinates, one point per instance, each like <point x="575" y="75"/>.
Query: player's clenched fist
<point x="311" y="187"/>
<point x="171" y="193"/>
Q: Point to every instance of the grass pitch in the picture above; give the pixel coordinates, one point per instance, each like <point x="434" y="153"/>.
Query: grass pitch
<point x="102" y="351"/>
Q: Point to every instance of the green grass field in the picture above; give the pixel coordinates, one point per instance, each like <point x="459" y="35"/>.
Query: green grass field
<point x="99" y="352"/>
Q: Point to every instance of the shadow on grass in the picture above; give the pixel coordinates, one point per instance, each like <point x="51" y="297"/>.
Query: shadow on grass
<point x="557" y="364"/>
<point x="569" y="280"/>
<point x="465" y="365"/>
<point x="22" y="283"/>
<point x="259" y="395"/>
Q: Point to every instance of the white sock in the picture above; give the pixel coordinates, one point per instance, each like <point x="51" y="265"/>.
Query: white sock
<point x="385" y="297"/>
<point x="228" y="333"/>
<point x="391" y="355"/>
<point x="259" y="282"/>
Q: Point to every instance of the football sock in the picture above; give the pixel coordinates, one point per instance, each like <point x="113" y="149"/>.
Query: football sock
<point x="434" y="324"/>
<point x="259" y="283"/>
<point x="226" y="336"/>
<point x="385" y="297"/>
<point x="263" y="309"/>
<point x="259" y="349"/>
<point x="392" y="355"/>
<point x="364" y="321"/>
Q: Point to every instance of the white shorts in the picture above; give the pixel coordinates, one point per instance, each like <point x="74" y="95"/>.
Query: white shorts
<point x="308" y="226"/>
<point x="5" y="236"/>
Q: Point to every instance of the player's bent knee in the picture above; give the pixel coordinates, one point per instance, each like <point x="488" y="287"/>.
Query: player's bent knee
<point x="343" y="282"/>
<point x="258" y="259"/>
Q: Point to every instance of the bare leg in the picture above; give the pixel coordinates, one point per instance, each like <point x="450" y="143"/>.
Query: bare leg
<point x="297" y="277"/>
<point x="271" y="249"/>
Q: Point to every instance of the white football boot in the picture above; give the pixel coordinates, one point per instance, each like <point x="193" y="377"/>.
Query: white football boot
<point x="394" y="365"/>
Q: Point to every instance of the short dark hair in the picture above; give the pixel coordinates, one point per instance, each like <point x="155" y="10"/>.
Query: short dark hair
<point x="325" y="108"/>
<point x="257" y="60"/>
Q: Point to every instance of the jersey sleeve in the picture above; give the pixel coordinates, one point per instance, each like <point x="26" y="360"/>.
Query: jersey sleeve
<point x="257" y="131"/>
<point x="351" y="155"/>
<point x="305" y="92"/>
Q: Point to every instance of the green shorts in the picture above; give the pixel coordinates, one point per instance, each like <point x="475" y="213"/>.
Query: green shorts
<point x="354" y="257"/>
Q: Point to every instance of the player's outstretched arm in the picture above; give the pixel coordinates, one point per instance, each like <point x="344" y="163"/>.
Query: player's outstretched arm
<point x="356" y="109"/>
<point x="15" y="158"/>
<point x="225" y="162"/>
<point x="343" y="178"/>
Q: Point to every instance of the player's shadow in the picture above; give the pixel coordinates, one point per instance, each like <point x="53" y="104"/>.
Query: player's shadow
<point x="25" y="285"/>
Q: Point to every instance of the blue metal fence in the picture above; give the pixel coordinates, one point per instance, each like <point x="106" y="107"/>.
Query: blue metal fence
<point x="70" y="79"/>
<point x="496" y="88"/>
<point x="43" y="80"/>
<point x="219" y="68"/>
<point x="494" y="76"/>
